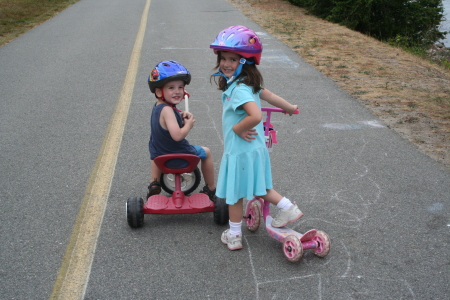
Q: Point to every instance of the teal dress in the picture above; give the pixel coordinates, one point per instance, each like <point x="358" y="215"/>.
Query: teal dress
<point x="245" y="167"/>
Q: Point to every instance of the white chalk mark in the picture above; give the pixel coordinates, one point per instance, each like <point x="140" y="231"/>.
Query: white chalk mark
<point x="252" y="266"/>
<point x="349" y="261"/>
<point x="277" y="58"/>
<point x="359" y="125"/>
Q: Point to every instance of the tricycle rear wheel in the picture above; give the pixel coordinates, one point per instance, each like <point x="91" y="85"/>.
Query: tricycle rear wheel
<point x="221" y="215"/>
<point x="135" y="212"/>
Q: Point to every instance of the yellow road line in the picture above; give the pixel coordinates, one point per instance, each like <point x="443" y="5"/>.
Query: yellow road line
<point x="73" y="274"/>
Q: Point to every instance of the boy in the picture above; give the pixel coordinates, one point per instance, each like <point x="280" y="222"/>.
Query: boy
<point x="170" y="126"/>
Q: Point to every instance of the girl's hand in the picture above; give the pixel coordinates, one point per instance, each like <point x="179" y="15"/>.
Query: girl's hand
<point x="294" y="108"/>
<point x="248" y="135"/>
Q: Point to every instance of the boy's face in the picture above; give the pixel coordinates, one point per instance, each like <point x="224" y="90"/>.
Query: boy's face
<point x="173" y="91"/>
<point x="229" y="62"/>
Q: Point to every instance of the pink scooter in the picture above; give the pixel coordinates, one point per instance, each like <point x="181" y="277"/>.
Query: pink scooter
<point x="294" y="243"/>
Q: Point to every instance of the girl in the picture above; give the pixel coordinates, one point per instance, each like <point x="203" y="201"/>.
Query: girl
<point x="170" y="126"/>
<point x="245" y="167"/>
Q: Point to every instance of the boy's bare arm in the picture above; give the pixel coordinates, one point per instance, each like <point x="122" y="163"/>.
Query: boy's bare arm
<point x="169" y="122"/>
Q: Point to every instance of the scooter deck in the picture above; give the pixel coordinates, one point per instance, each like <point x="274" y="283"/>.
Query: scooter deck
<point x="281" y="233"/>
<point x="160" y="204"/>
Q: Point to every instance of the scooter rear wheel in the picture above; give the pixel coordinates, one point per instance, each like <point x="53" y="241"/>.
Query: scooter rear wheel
<point x="253" y="219"/>
<point x="135" y="213"/>
<point x="189" y="182"/>
<point x="323" y="244"/>
<point x="221" y="215"/>
<point x="292" y="248"/>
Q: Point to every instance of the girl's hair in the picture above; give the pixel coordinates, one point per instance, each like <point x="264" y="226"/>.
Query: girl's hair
<point x="250" y="76"/>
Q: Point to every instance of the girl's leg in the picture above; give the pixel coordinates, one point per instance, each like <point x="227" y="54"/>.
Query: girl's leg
<point x="272" y="196"/>
<point x="235" y="211"/>
<point x="289" y="212"/>
<point x="233" y="237"/>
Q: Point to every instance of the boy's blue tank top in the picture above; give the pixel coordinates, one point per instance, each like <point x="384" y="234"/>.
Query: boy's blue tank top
<point x="160" y="140"/>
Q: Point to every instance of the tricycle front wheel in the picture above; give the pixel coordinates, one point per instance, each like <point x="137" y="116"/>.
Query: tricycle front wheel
<point x="189" y="181"/>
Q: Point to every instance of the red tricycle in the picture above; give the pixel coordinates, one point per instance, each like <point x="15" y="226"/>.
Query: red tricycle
<point x="180" y="176"/>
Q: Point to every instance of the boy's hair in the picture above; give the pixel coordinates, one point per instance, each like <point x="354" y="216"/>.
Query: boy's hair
<point x="250" y="76"/>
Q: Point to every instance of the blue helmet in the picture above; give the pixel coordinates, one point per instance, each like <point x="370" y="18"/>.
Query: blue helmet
<point x="166" y="71"/>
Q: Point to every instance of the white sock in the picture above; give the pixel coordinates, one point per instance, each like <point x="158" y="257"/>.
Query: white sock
<point x="284" y="203"/>
<point x="235" y="228"/>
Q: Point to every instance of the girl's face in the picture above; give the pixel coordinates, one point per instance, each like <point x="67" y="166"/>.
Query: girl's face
<point x="173" y="91"/>
<point x="229" y="62"/>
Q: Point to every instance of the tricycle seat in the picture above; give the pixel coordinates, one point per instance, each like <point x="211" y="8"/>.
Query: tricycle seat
<point x="177" y="163"/>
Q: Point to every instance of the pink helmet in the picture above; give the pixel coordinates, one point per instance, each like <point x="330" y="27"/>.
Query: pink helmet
<point x="240" y="40"/>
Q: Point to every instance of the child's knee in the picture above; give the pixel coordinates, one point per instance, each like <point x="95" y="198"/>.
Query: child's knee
<point x="208" y="151"/>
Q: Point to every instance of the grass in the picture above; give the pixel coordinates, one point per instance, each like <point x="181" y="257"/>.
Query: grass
<point x="19" y="16"/>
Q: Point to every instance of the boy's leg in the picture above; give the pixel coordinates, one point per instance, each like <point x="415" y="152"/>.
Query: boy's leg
<point x="155" y="187"/>
<point x="208" y="169"/>
<point x="208" y="174"/>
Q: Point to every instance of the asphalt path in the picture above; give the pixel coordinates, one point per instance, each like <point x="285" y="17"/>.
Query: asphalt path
<point x="384" y="204"/>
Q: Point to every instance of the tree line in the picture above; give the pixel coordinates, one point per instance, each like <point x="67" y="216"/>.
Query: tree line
<point x="407" y="23"/>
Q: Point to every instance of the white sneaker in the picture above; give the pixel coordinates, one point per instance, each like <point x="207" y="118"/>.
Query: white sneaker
<point x="234" y="242"/>
<point x="286" y="216"/>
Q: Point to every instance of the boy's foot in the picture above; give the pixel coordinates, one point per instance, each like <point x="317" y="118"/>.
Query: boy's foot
<point x="211" y="194"/>
<point x="286" y="216"/>
<point x="234" y="242"/>
<point x="154" y="189"/>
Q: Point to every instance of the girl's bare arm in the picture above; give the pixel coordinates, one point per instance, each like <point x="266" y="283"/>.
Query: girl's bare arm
<point x="277" y="101"/>
<point x="245" y="128"/>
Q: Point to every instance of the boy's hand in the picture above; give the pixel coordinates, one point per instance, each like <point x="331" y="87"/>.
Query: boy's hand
<point x="188" y="119"/>
<point x="186" y="115"/>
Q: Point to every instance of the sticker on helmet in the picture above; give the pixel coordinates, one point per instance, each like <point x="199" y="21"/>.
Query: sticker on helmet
<point x="154" y="76"/>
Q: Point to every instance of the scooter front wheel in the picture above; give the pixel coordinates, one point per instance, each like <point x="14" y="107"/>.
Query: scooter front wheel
<point x="292" y="248"/>
<point x="253" y="219"/>
<point x="323" y="244"/>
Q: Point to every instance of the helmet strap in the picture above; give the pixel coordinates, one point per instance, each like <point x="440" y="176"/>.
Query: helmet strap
<point x="236" y="73"/>
<point x="164" y="100"/>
